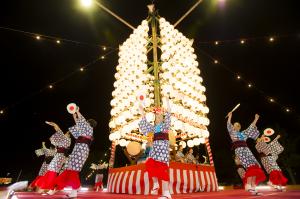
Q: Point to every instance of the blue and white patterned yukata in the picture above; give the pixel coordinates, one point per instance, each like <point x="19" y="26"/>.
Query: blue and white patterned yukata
<point x="244" y="154"/>
<point x="80" y="151"/>
<point x="160" y="149"/>
<point x="59" y="140"/>
<point x="271" y="152"/>
<point x="48" y="153"/>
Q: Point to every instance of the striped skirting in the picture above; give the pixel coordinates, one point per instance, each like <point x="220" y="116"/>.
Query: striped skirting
<point x="184" y="178"/>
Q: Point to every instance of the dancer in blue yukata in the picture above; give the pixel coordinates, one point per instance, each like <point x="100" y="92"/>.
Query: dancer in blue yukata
<point x="157" y="165"/>
<point x="48" y="156"/>
<point x="83" y="133"/>
<point x="254" y="174"/>
<point x="62" y="143"/>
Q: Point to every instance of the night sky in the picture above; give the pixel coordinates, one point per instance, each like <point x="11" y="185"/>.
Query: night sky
<point x="28" y="66"/>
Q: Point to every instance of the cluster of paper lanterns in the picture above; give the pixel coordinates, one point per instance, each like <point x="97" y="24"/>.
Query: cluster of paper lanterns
<point x="193" y="142"/>
<point x="182" y="83"/>
<point x="131" y="82"/>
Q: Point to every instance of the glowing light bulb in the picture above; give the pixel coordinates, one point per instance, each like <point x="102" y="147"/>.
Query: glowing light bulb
<point x="58" y="41"/>
<point x="1" y="112"/>
<point x="50" y="86"/>
<point x="81" y="69"/>
<point x="86" y="3"/>
<point x="287" y="110"/>
<point x="242" y="41"/>
<point x="38" y="37"/>
<point x="216" y="61"/>
<point x="249" y="85"/>
<point x="102" y="57"/>
<point x="271" y="39"/>
<point x="271" y="100"/>
<point x="238" y="77"/>
<point x="216" y="43"/>
<point x="103" y="48"/>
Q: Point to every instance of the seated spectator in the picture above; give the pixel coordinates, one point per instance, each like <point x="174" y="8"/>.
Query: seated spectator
<point x="189" y="157"/>
<point x="179" y="155"/>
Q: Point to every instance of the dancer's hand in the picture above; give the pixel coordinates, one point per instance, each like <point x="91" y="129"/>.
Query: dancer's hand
<point x="229" y="114"/>
<point x="257" y="116"/>
<point x="56" y="127"/>
<point x="43" y="145"/>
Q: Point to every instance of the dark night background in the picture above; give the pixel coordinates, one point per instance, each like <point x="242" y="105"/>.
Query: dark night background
<point x="28" y="65"/>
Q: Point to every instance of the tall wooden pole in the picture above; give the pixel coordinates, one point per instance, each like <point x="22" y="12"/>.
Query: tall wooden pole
<point x="154" y="27"/>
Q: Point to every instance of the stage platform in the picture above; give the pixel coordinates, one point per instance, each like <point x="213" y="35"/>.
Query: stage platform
<point x="293" y="194"/>
<point x="184" y="178"/>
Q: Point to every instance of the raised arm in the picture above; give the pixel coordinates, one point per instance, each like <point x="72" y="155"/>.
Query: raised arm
<point x="141" y="109"/>
<point x="44" y="145"/>
<point x="166" y="102"/>
<point x="229" y="115"/>
<point x="255" y="120"/>
<point x="55" y="126"/>
<point x="252" y="131"/>
<point x="229" y="125"/>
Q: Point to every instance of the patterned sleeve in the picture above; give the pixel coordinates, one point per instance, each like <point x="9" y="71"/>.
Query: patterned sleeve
<point x="56" y="138"/>
<point x="74" y="130"/>
<point x="251" y="132"/>
<point x="275" y="147"/>
<point x="39" y="152"/>
<point x="80" y="119"/>
<point x="262" y="147"/>
<point x="145" y="126"/>
<point x="50" y="152"/>
<point x="229" y="127"/>
<point x="167" y="122"/>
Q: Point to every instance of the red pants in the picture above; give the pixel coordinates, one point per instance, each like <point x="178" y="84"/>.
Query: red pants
<point x="68" y="178"/>
<point x="277" y="178"/>
<point x="47" y="181"/>
<point x="157" y="169"/>
<point x="255" y="171"/>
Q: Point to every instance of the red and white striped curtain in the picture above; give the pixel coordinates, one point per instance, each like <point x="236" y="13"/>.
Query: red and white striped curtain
<point x="184" y="178"/>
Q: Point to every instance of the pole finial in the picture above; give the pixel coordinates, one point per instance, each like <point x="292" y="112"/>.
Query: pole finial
<point x="151" y="8"/>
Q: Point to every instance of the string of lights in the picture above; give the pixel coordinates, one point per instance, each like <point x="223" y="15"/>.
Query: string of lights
<point x="57" y="40"/>
<point x="55" y="83"/>
<point x="249" y="84"/>
<point x="246" y="40"/>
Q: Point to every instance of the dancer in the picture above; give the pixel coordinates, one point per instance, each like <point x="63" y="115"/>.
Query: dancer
<point x="62" y="142"/>
<point x="157" y="165"/>
<point x="97" y="168"/>
<point x="254" y="174"/>
<point x="83" y="133"/>
<point x="48" y="156"/>
<point x="268" y="155"/>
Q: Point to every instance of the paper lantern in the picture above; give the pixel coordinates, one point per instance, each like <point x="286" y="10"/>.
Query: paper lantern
<point x="202" y="140"/>
<point x="196" y="141"/>
<point x="123" y="142"/>
<point x="111" y="137"/>
<point x="182" y="143"/>
<point x="190" y="143"/>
